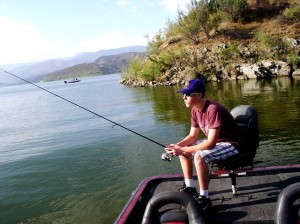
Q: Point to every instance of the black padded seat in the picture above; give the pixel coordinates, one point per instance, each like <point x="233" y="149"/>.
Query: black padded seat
<point x="247" y="120"/>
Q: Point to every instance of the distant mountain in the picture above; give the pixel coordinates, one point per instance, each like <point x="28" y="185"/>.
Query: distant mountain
<point x="35" y="71"/>
<point x="101" y="66"/>
<point x="76" y="71"/>
<point x="87" y="57"/>
<point x="115" y="63"/>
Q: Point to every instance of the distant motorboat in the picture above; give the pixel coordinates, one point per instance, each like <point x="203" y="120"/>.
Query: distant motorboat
<point x="73" y="81"/>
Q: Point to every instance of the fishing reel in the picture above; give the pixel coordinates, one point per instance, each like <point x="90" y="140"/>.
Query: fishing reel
<point x="166" y="157"/>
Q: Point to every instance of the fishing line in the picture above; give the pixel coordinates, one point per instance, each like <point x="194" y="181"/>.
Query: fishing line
<point x="75" y="104"/>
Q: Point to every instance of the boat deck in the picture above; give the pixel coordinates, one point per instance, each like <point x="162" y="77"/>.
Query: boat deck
<point x="255" y="202"/>
<point x="256" y="199"/>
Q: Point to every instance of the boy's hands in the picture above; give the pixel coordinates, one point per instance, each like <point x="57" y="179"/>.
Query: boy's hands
<point x="174" y="150"/>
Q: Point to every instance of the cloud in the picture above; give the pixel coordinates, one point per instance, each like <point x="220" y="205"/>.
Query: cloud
<point x="124" y="2"/>
<point x="174" y="5"/>
<point x="127" y="3"/>
<point x="2" y="8"/>
<point x="105" y="41"/>
<point x="22" y="42"/>
<point x="112" y="40"/>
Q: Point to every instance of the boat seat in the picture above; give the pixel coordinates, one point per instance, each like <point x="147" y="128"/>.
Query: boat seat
<point x="247" y="121"/>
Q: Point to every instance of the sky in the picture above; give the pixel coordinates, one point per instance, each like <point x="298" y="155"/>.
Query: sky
<point x="36" y="30"/>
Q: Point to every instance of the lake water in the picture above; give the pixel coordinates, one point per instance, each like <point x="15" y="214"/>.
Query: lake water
<point x="62" y="164"/>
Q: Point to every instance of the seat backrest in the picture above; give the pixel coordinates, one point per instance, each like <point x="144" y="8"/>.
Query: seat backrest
<point x="246" y="118"/>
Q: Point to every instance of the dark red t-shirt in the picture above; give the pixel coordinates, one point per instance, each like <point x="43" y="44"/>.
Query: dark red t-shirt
<point x="214" y="115"/>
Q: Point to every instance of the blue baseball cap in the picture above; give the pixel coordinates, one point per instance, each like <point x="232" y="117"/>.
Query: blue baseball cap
<point x="194" y="86"/>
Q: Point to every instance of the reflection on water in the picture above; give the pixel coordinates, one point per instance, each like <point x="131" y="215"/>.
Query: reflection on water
<point x="61" y="164"/>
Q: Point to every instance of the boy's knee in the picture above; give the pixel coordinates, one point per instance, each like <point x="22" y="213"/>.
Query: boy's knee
<point x="198" y="159"/>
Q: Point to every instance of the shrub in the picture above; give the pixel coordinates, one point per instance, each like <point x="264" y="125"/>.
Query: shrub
<point x="202" y="67"/>
<point x="154" y="43"/>
<point x="197" y="19"/>
<point x="149" y="71"/>
<point x="145" y="70"/>
<point x="294" y="60"/>
<point x="166" y="58"/>
<point x="189" y="26"/>
<point x="173" y="29"/>
<point x="274" y="47"/>
<point x="215" y="19"/>
<point x="230" y="52"/>
<point x="264" y="38"/>
<point x="292" y="13"/>
<point x="134" y="68"/>
<point x="233" y="9"/>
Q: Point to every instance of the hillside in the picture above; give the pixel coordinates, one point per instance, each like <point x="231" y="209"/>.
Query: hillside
<point x="217" y="41"/>
<point x="76" y="71"/>
<point x="101" y="66"/>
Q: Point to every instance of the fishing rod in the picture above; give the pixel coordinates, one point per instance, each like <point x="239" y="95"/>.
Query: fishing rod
<point x="115" y="123"/>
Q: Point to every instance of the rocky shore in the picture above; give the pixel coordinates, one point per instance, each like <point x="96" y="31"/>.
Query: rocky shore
<point x="244" y="69"/>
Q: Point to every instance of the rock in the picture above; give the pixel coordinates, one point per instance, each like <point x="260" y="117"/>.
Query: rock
<point x="247" y="71"/>
<point x="263" y="69"/>
<point x="279" y="68"/>
<point x="293" y="42"/>
<point x="222" y="46"/>
<point x="296" y="72"/>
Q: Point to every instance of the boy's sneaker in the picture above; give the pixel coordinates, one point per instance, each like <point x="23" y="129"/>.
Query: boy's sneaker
<point x="190" y="190"/>
<point x="206" y="203"/>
